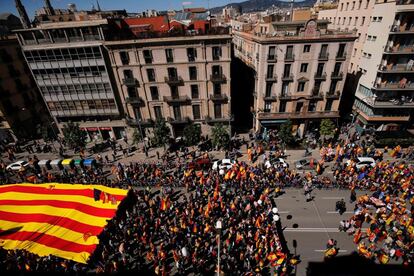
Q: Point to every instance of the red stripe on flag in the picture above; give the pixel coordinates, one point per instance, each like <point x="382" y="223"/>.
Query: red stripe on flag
<point x="84" y="208"/>
<point x="53" y="220"/>
<point x="54" y="191"/>
<point x="49" y="241"/>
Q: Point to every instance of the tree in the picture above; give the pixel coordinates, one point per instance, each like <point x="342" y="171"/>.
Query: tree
<point x="192" y="134"/>
<point x="220" y="136"/>
<point x="47" y="133"/>
<point x="74" y="136"/>
<point x="161" y="133"/>
<point x="136" y="136"/>
<point x="327" y="127"/>
<point x="285" y="133"/>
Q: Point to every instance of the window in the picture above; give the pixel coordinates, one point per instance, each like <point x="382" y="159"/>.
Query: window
<point x="268" y="91"/>
<point x="217" y="111"/>
<point x="319" y="71"/>
<point x="356" y="21"/>
<point x="196" y="112"/>
<point x="328" y="106"/>
<point x="174" y="92"/>
<point x="124" y="57"/>
<point x="216" y="69"/>
<point x="147" y="56"/>
<point x="286" y="72"/>
<point x="374" y="38"/>
<point x="339" y="20"/>
<point x="151" y="74"/>
<point x="194" y="91"/>
<point x="312" y="106"/>
<point x="172" y="73"/>
<point x="355" y="51"/>
<point x="347" y="6"/>
<point x="299" y="106"/>
<point x="366" y="6"/>
<point x="285" y="88"/>
<point x="137" y="113"/>
<point x="270" y="69"/>
<point x="374" y="19"/>
<point x="341" y="50"/>
<point x="217" y="89"/>
<point x="216" y="52"/>
<point x="353" y="5"/>
<point x="132" y="92"/>
<point x="342" y="6"/>
<point x="369" y="38"/>
<point x="343" y="20"/>
<point x="128" y="74"/>
<point x="301" y="86"/>
<point x="154" y="93"/>
<point x="158" y="112"/>
<point x="304" y="67"/>
<point x="192" y="70"/>
<point x="379" y="19"/>
<point x="191" y="54"/>
<point x="289" y="52"/>
<point x="177" y="112"/>
<point x="349" y="20"/>
<point x="282" y="106"/>
<point x="169" y="55"/>
<point x="332" y="87"/>
<point x="324" y="51"/>
<point x="337" y="68"/>
<point x="359" y="4"/>
<point x="363" y="21"/>
<point x="306" y="48"/>
<point x="272" y="53"/>
<point x="267" y="106"/>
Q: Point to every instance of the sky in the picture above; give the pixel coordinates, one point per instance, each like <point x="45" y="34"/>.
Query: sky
<point x="129" y="5"/>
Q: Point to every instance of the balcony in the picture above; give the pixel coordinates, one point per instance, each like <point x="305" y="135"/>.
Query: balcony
<point x="398" y="68"/>
<point x="394" y="86"/>
<point x="384" y="117"/>
<point x="316" y="94"/>
<point x="287" y="77"/>
<point x="393" y="103"/>
<point x="323" y="56"/>
<point x="179" y="120"/>
<point x="337" y="75"/>
<point x="285" y="96"/>
<point x="400" y="29"/>
<point x="219" y="98"/>
<point x="271" y="58"/>
<point x="320" y="76"/>
<point x="270" y="98"/>
<point x="289" y="57"/>
<point x="176" y="100"/>
<point x="271" y="77"/>
<point x="399" y="50"/>
<point x="130" y="82"/>
<point x="218" y="78"/>
<point x="134" y="100"/>
<point x="332" y="95"/>
<point x="208" y="120"/>
<point x="174" y="80"/>
<point x="134" y="122"/>
<point x="299" y="115"/>
<point x="341" y="56"/>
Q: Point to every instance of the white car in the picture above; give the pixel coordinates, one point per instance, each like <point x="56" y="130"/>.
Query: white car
<point x="16" y="166"/>
<point x="363" y="162"/>
<point x="224" y="164"/>
<point x="277" y="163"/>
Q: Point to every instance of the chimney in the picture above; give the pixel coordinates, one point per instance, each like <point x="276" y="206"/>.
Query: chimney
<point x="23" y="14"/>
<point x="49" y="8"/>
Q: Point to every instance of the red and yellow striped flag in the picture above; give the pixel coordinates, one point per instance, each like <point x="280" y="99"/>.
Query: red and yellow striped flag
<point x="56" y="219"/>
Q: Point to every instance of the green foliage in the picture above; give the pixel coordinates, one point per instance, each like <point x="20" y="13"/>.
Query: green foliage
<point x="47" y="133"/>
<point x="73" y="135"/>
<point x="161" y="133"/>
<point x="285" y="133"/>
<point x="192" y="134"/>
<point x="136" y="136"/>
<point x="393" y="142"/>
<point x="327" y="127"/>
<point x="220" y="136"/>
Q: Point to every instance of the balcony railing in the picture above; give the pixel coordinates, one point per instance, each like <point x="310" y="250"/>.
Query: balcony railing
<point x="402" y="49"/>
<point x="218" y="78"/>
<point x="298" y="115"/>
<point x="179" y="99"/>
<point x="395" y="86"/>
<point x="178" y="120"/>
<point x="341" y="56"/>
<point x="320" y="76"/>
<point x="134" y="122"/>
<point x="398" y="68"/>
<point x="285" y="96"/>
<point x="316" y="94"/>
<point x="174" y="80"/>
<point x="332" y="94"/>
<point x="270" y="98"/>
<point x="271" y="58"/>
<point x="290" y="57"/>
<point x="134" y="100"/>
<point x="130" y="82"/>
<point x="323" y="56"/>
<point x="402" y="29"/>
<point x="337" y="75"/>
<point x="219" y="97"/>
<point x="393" y="103"/>
<point x="209" y="119"/>
<point x="287" y="77"/>
<point x="271" y="77"/>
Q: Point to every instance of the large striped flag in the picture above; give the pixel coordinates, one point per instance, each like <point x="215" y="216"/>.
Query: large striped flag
<point x="56" y="219"/>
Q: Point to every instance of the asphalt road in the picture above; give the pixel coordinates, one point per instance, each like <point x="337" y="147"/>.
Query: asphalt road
<point x="313" y="223"/>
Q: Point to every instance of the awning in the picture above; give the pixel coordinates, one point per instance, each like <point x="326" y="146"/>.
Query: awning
<point x="78" y="162"/>
<point x="56" y="162"/>
<point x="67" y="162"/>
<point x="89" y="162"/>
<point x="43" y="162"/>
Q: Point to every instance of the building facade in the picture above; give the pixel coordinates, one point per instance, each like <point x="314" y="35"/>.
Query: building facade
<point x="351" y="15"/>
<point x="182" y="79"/>
<point x="385" y="93"/>
<point x="70" y="66"/>
<point x="300" y="71"/>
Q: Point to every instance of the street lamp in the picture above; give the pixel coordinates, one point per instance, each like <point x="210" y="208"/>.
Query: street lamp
<point x="218" y="227"/>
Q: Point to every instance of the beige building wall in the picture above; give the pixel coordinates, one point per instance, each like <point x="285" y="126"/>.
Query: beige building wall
<point x="351" y="15"/>
<point x="145" y="106"/>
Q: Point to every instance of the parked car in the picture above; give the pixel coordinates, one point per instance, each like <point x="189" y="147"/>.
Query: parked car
<point x="224" y="164"/>
<point x="363" y="162"/>
<point x="277" y="163"/>
<point x="302" y="164"/>
<point x="16" y="166"/>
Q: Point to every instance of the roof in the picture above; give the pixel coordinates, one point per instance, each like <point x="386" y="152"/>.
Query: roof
<point x="158" y="23"/>
<point x="5" y="15"/>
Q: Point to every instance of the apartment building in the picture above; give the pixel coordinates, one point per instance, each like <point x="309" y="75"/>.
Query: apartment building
<point x="351" y="15"/>
<point x="300" y="68"/>
<point x="69" y="64"/>
<point x="182" y="78"/>
<point x="385" y="93"/>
